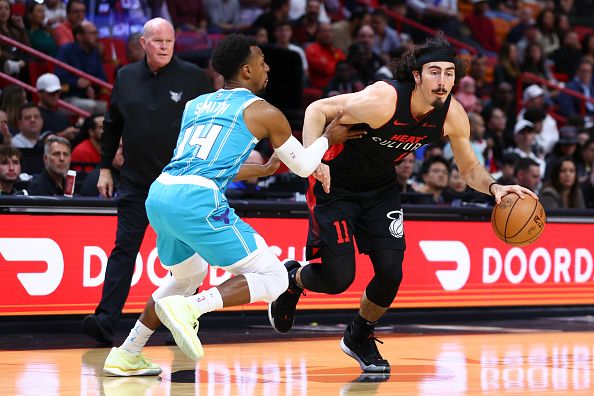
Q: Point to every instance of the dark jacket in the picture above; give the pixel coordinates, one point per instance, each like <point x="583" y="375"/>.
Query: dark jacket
<point x="43" y="184"/>
<point x="146" y="110"/>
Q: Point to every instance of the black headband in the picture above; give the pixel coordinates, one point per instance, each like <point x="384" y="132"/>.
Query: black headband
<point x="439" y="55"/>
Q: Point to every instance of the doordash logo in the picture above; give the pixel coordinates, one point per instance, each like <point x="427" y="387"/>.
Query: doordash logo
<point x="449" y="251"/>
<point x="36" y="249"/>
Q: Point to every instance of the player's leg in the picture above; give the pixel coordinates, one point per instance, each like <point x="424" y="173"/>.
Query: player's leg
<point x="331" y="239"/>
<point x="225" y="241"/>
<point x="359" y="341"/>
<point x="131" y="226"/>
<point x="188" y="271"/>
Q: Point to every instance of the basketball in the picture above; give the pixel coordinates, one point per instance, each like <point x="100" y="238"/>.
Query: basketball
<point x="518" y="222"/>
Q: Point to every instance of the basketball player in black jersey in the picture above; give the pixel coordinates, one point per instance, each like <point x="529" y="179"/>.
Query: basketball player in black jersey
<point x="363" y="202"/>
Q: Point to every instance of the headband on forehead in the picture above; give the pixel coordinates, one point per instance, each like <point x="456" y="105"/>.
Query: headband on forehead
<point x="439" y="55"/>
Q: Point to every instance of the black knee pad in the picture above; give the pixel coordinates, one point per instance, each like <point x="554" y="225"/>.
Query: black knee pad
<point x="388" y="275"/>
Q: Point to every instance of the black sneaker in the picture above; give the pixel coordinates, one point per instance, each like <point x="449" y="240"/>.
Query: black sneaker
<point x="93" y="327"/>
<point x="364" y="350"/>
<point x="282" y="311"/>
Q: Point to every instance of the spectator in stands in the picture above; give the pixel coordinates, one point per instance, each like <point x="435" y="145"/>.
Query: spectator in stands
<point x="534" y="99"/>
<point x="503" y="97"/>
<point x="298" y="8"/>
<point x="30" y="124"/>
<point x="524" y="21"/>
<point x="565" y="58"/>
<point x="527" y="174"/>
<point x="134" y="50"/>
<point x="404" y="173"/>
<point x="441" y="15"/>
<point x="549" y="39"/>
<point x="56" y="157"/>
<point x="12" y="26"/>
<point x="279" y="11"/>
<point x="12" y="98"/>
<point x="587" y="160"/>
<point x="387" y="39"/>
<point x="457" y="193"/>
<point x="582" y="83"/>
<point x="39" y="36"/>
<point x="466" y="95"/>
<point x="477" y="138"/>
<point x="535" y="62"/>
<point x="435" y="173"/>
<point x="566" y="146"/>
<point x="562" y="25"/>
<point x="531" y="36"/>
<point x="89" y="150"/>
<point x="188" y="16"/>
<point x="363" y="60"/>
<point x="84" y="55"/>
<point x="478" y="71"/>
<point x="588" y="190"/>
<point x="345" y="31"/>
<point x="49" y="90"/>
<point x="250" y="10"/>
<point x="508" y="67"/>
<point x="55" y="13"/>
<point x="260" y="34"/>
<point x="322" y="57"/>
<point x="345" y="80"/>
<point x="10" y="170"/>
<point x="508" y="165"/>
<point x="482" y="27"/>
<point x="495" y="133"/>
<point x="282" y="35"/>
<point x="75" y="14"/>
<point x="224" y="16"/>
<point x="89" y="184"/>
<point x="563" y="189"/>
<point x="588" y="47"/>
<point x="524" y="136"/>
<point x="307" y="25"/>
<point x="5" y="135"/>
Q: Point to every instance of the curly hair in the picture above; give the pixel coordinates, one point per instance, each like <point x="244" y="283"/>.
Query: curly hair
<point x="231" y="53"/>
<point x="403" y="67"/>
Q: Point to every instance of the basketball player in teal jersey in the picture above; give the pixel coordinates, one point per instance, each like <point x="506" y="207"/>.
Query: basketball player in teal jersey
<point x="194" y="223"/>
<point x="400" y="116"/>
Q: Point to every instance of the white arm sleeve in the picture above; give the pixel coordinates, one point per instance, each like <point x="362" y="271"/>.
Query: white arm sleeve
<point x="300" y="160"/>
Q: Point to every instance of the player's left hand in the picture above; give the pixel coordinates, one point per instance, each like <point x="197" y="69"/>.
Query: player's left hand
<point x="500" y="190"/>
<point x="337" y="133"/>
<point x="272" y="164"/>
<point x="322" y="173"/>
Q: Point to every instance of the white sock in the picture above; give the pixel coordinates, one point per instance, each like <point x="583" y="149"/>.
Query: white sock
<point x="137" y="338"/>
<point x="208" y="300"/>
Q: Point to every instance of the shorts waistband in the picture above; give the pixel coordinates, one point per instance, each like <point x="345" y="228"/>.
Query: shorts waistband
<point x="166" y="178"/>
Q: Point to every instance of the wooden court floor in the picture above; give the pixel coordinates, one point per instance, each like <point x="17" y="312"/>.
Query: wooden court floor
<point x="548" y="363"/>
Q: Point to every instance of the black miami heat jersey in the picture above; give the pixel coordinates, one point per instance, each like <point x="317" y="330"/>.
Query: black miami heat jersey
<point x="368" y="163"/>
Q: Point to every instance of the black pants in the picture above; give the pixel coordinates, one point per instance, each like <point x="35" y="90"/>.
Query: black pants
<point x="132" y="224"/>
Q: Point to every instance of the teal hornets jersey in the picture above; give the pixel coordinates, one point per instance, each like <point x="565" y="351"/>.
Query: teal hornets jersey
<point x="214" y="140"/>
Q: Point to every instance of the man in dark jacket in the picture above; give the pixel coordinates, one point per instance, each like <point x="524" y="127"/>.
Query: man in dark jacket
<point x="146" y="107"/>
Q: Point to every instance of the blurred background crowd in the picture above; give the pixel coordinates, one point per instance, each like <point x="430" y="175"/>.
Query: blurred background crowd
<point x="528" y="92"/>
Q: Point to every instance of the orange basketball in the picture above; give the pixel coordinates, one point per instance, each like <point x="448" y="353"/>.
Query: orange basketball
<point x="518" y="222"/>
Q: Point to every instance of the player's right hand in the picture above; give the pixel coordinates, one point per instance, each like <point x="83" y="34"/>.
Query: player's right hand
<point x="322" y="173"/>
<point x="105" y="183"/>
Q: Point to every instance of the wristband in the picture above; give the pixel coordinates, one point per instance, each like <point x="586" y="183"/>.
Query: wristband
<point x="491" y="185"/>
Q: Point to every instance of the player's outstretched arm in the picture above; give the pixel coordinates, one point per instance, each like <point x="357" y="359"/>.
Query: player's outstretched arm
<point x="457" y="128"/>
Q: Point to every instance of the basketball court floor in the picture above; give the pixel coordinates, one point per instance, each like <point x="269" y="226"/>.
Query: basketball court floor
<point x="535" y="356"/>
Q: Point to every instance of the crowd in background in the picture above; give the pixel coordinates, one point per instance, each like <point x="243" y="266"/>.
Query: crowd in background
<point x="527" y="130"/>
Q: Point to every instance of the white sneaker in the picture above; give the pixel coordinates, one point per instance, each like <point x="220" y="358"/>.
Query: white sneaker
<point x="181" y="318"/>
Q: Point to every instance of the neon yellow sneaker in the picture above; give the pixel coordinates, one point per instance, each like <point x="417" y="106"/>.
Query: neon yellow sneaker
<point x="181" y="318"/>
<point x="121" y="363"/>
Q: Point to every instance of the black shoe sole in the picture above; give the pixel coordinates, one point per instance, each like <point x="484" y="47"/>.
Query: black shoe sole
<point x="372" y="368"/>
<point x="92" y="327"/>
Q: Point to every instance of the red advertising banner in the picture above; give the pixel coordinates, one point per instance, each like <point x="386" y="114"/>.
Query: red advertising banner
<point x="52" y="264"/>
